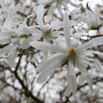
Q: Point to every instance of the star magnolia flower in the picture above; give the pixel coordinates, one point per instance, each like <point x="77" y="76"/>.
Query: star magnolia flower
<point x="56" y="4"/>
<point x="11" y="36"/>
<point x="92" y="19"/>
<point x="48" y="32"/>
<point x="74" y="56"/>
<point x="10" y="11"/>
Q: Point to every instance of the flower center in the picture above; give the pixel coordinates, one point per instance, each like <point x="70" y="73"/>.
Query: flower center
<point x="48" y="32"/>
<point x="72" y="52"/>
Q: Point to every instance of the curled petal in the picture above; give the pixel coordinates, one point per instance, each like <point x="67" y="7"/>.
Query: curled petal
<point x="25" y="43"/>
<point x="81" y="79"/>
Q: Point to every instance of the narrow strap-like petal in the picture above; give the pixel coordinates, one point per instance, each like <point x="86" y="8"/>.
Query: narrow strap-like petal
<point x="68" y="90"/>
<point x="59" y="9"/>
<point x="43" y="76"/>
<point x="40" y="13"/>
<point x="47" y="46"/>
<point x="71" y="76"/>
<point x="12" y="58"/>
<point x="51" y="61"/>
<point x="85" y="73"/>
<point x="94" y="42"/>
<point x="50" y="12"/>
<point x="67" y="30"/>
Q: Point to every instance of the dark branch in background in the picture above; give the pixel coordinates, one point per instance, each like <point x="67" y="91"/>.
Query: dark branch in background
<point x="22" y="14"/>
<point x="27" y="92"/>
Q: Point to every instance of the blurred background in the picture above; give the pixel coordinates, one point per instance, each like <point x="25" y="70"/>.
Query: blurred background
<point x="17" y="85"/>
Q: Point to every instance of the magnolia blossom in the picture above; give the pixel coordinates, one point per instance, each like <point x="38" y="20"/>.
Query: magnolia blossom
<point x="56" y="4"/>
<point x="11" y="36"/>
<point x="71" y="52"/>
<point x="92" y="19"/>
<point x="47" y="32"/>
<point x="8" y="12"/>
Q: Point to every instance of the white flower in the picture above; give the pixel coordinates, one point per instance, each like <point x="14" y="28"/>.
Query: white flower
<point x="9" y="12"/>
<point x="46" y="31"/>
<point x="11" y="36"/>
<point x="92" y="19"/>
<point x="75" y="56"/>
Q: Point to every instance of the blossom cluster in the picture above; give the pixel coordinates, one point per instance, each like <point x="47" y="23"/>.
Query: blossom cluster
<point x="60" y="47"/>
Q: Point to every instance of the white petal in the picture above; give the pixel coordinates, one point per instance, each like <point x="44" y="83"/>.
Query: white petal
<point x="75" y="5"/>
<point x="51" y="61"/>
<point x="50" y="12"/>
<point x="45" y="52"/>
<point x="71" y="76"/>
<point x="101" y="30"/>
<point x="12" y="58"/>
<point x="67" y="30"/>
<point x="7" y="24"/>
<point x="45" y="1"/>
<point x="59" y="41"/>
<point x="89" y="28"/>
<point x="68" y="90"/>
<point x="5" y="50"/>
<point x="38" y="36"/>
<point x="47" y="46"/>
<point x="51" y="57"/>
<point x="85" y="19"/>
<point x="94" y="63"/>
<point x="92" y="18"/>
<point x="17" y="7"/>
<point x="77" y="35"/>
<point x="25" y="30"/>
<point x="98" y="53"/>
<point x="56" y="33"/>
<point x="59" y="9"/>
<point x="97" y="65"/>
<point x="43" y="76"/>
<point x="25" y="43"/>
<point x="40" y="13"/>
<point x="85" y="73"/>
<point x="71" y="23"/>
<point x="7" y="34"/>
<point x="57" y="26"/>
<point x="91" y="43"/>
<point x="5" y="41"/>
<point x="81" y="79"/>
